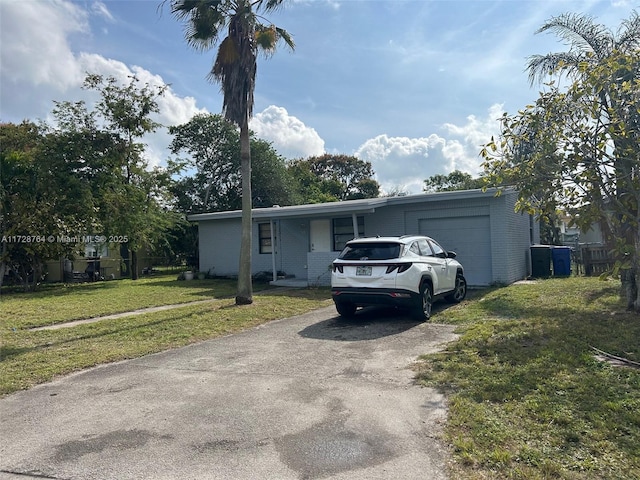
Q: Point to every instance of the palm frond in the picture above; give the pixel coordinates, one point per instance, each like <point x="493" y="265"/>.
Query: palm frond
<point x="235" y="68"/>
<point x="581" y="33"/>
<point x="540" y="66"/>
<point x="268" y="36"/>
<point x="203" y="20"/>
<point x="629" y="33"/>
<point x="269" y="5"/>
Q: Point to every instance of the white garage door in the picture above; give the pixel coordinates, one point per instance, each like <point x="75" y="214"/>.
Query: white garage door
<point x="470" y="238"/>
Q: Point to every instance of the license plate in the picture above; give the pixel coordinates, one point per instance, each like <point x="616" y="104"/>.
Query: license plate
<point x="363" y="271"/>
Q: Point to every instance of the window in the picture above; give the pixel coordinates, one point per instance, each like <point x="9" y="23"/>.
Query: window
<point x="96" y="250"/>
<point x="371" y="251"/>
<point x="438" y="251"/>
<point x="343" y="231"/>
<point x="425" y="249"/>
<point x="414" y="249"/>
<point x="264" y="237"/>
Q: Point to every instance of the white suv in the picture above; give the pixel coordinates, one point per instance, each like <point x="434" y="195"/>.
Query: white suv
<point x="409" y="272"/>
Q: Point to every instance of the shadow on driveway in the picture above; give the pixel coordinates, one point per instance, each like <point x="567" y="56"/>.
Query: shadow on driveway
<point x="368" y="324"/>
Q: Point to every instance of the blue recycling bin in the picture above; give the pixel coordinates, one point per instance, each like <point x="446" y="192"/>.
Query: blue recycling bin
<point x="561" y="257"/>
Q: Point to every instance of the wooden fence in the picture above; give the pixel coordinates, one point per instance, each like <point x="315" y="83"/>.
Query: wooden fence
<point x="596" y="259"/>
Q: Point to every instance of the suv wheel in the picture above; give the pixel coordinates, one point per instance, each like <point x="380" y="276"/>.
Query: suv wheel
<point x="459" y="292"/>
<point x="425" y="303"/>
<point x="346" y="309"/>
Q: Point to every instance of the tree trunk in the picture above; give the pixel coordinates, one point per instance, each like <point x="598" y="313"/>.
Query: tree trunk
<point x="3" y="264"/>
<point x="631" y="278"/>
<point x="244" y="294"/>
<point x="134" y="265"/>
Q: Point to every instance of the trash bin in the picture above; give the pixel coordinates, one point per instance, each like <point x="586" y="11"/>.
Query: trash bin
<point x="540" y="260"/>
<point x="561" y="257"/>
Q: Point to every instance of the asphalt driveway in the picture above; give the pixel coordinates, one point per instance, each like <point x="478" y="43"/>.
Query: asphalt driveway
<point x="308" y="397"/>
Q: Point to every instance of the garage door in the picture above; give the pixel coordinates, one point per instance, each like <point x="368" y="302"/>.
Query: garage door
<point x="470" y="238"/>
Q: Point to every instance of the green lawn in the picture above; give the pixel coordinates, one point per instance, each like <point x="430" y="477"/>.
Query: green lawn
<point x="527" y="397"/>
<point x="55" y="303"/>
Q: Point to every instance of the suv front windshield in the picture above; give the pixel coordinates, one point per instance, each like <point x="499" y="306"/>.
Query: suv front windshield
<point x="370" y="251"/>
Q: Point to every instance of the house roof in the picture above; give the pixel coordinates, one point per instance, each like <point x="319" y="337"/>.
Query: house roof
<point x="367" y="205"/>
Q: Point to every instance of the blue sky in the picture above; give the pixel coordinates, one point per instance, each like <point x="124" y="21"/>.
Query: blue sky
<point x="415" y="87"/>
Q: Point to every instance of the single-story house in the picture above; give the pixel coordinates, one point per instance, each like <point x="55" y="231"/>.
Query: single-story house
<point x="491" y="241"/>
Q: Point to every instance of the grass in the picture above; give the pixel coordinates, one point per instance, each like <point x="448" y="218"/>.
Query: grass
<point x="29" y="357"/>
<point x="56" y="303"/>
<point x="527" y="397"/>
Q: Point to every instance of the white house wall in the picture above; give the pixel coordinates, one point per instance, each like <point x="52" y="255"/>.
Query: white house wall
<point x="518" y="238"/>
<point x="219" y="245"/>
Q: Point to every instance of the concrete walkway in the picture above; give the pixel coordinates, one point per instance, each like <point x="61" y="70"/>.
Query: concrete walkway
<point x="141" y="311"/>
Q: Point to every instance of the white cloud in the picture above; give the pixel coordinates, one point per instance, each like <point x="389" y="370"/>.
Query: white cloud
<point x="402" y="162"/>
<point x="174" y="109"/>
<point x="470" y="138"/>
<point x="101" y="9"/>
<point x="290" y="136"/>
<point x="36" y="52"/>
<point x="35" y="47"/>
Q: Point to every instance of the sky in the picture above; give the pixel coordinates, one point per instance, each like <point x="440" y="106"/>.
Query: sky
<point x="413" y="86"/>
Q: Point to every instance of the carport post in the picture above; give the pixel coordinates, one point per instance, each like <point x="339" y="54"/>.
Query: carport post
<point x="273" y="250"/>
<point x="354" y="220"/>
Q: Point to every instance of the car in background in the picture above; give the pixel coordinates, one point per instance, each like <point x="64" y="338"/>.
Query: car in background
<point x="409" y="272"/>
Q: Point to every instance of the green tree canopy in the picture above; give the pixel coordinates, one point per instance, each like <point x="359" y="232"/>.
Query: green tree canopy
<point x="45" y="194"/>
<point x="328" y="178"/>
<point x="208" y="146"/>
<point x="456" y="180"/>
<point x="130" y="198"/>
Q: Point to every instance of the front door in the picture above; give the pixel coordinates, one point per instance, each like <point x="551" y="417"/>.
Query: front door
<point x="320" y="233"/>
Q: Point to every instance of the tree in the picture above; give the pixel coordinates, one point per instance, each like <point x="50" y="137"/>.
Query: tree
<point x="574" y="152"/>
<point x="130" y="194"/>
<point x="455" y="180"/>
<point x="591" y="46"/>
<point x="211" y="145"/>
<point x="328" y="178"/>
<point x="43" y="196"/>
<point x="269" y="173"/>
<point x="235" y="69"/>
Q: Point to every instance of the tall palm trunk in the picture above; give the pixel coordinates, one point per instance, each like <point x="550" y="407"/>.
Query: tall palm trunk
<point x="245" y="292"/>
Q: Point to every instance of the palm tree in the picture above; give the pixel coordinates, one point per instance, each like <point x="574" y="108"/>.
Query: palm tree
<point x="590" y="45"/>
<point x="235" y="70"/>
<point x="588" y="42"/>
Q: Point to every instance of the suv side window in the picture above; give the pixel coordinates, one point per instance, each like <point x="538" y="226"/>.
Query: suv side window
<point x="425" y="249"/>
<point x="438" y="250"/>
<point x="414" y="249"/>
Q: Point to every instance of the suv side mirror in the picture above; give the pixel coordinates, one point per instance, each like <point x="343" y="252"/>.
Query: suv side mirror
<point x="452" y="254"/>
